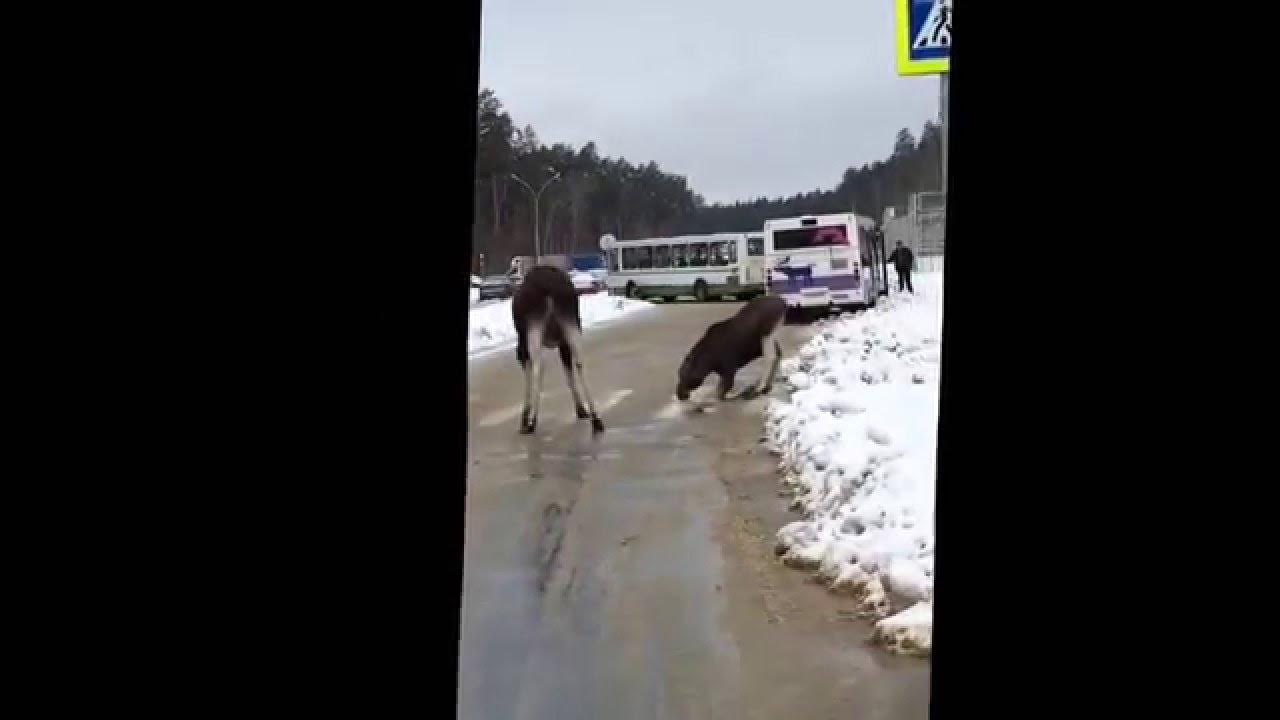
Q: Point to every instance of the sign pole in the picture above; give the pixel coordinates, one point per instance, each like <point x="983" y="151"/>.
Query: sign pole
<point x="923" y="39"/>
<point x="944" y="88"/>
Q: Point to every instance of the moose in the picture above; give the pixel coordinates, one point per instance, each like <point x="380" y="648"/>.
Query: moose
<point x="545" y="311"/>
<point x="729" y="345"/>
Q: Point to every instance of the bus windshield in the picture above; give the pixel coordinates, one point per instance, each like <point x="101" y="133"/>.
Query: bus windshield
<point x="808" y="237"/>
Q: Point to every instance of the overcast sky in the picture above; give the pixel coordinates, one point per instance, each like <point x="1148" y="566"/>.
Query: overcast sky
<point x="744" y="97"/>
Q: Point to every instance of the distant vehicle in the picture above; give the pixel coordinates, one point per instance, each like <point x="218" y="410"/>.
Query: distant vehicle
<point x="585" y="282"/>
<point x="753" y="266"/>
<point x="564" y="262"/>
<point x="593" y="263"/>
<point x="497" y="286"/>
<point x="817" y="261"/>
<point x="704" y="266"/>
<point x="522" y="264"/>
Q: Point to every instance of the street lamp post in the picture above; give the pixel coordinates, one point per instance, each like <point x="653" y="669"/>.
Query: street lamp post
<point x="537" y="241"/>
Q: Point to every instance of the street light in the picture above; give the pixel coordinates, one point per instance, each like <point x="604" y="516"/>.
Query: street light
<point x="537" y="242"/>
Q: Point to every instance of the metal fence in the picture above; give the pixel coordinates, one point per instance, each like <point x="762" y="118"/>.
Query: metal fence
<point x="922" y="229"/>
<point x="928" y="263"/>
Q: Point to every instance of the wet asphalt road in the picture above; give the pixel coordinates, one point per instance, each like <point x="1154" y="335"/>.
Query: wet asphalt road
<point x="631" y="575"/>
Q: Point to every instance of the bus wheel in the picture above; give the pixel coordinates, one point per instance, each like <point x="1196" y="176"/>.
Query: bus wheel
<point x="633" y="292"/>
<point x="700" y="290"/>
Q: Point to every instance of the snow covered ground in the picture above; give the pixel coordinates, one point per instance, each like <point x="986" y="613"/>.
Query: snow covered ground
<point x="491" y="326"/>
<point x="858" y="442"/>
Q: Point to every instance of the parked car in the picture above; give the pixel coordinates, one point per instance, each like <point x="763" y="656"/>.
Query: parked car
<point x="593" y="263"/>
<point x="585" y="282"/>
<point x="497" y="286"/>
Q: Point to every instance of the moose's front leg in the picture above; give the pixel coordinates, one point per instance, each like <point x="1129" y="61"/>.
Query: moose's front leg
<point x="772" y="354"/>
<point x="726" y="384"/>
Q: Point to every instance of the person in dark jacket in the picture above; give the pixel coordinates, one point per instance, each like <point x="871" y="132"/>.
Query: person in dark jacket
<point x="903" y="261"/>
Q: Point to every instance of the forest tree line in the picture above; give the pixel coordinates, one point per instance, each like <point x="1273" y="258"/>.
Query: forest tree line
<point x="594" y="195"/>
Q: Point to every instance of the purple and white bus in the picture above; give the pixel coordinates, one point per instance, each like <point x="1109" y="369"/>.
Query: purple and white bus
<point x="820" y="261"/>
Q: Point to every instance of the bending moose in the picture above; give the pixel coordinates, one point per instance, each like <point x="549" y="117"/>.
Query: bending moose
<point x="545" y="311"/>
<point x="730" y="344"/>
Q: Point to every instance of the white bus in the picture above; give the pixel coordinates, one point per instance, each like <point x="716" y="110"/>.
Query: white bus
<point x="820" y="261"/>
<point x="753" y="270"/>
<point x="704" y="266"/>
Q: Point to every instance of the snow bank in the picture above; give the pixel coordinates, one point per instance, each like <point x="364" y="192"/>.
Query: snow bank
<point x="858" y="442"/>
<point x="490" y="325"/>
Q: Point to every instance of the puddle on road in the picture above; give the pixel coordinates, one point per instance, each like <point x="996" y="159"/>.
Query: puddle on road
<point x="554" y="521"/>
<point x="637" y="566"/>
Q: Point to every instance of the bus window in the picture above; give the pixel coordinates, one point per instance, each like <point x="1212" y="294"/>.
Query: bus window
<point x="807" y="237"/>
<point x="755" y="246"/>
<point x="613" y="260"/>
<point x="637" y="258"/>
<point x="731" y="247"/>
<point x="719" y="257"/>
<point x="698" y="255"/>
<point x="678" y="258"/>
<point x="662" y="256"/>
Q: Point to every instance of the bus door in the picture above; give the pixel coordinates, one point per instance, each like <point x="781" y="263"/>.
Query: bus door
<point x="752" y="261"/>
<point x="880" y="263"/>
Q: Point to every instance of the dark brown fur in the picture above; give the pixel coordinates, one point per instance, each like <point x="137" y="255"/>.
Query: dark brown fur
<point x="542" y="283"/>
<point x="729" y="345"/>
<point x="546" y="304"/>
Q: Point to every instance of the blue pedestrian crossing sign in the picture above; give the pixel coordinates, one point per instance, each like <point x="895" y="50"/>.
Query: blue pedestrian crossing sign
<point x="923" y="32"/>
